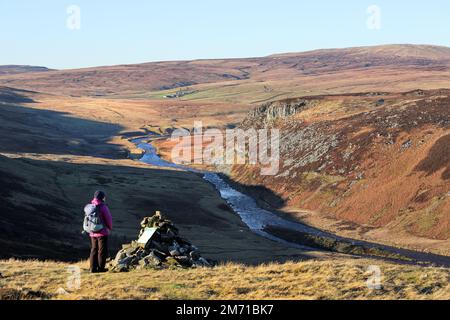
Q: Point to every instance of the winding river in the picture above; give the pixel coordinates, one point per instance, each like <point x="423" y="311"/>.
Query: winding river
<point x="251" y="214"/>
<point x="257" y="218"/>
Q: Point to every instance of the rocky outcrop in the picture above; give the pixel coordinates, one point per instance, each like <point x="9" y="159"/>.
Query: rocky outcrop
<point x="268" y="113"/>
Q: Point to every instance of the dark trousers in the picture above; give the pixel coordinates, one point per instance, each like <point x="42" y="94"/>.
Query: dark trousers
<point x="99" y="253"/>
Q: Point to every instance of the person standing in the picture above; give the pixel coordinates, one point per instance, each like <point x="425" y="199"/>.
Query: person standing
<point x="99" y="239"/>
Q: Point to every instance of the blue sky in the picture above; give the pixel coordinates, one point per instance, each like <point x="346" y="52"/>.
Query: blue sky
<point x="115" y="32"/>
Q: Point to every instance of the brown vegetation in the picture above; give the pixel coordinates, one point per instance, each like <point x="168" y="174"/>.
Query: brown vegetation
<point x="330" y="280"/>
<point x="256" y="80"/>
<point x="379" y="165"/>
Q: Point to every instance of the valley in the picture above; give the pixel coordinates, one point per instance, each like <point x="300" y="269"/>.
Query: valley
<point x="363" y="156"/>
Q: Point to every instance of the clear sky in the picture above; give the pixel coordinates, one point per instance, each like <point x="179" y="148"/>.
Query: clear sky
<point x="42" y="32"/>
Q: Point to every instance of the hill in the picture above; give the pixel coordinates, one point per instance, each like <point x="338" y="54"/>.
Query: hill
<point x="373" y="165"/>
<point x="16" y="69"/>
<point x="56" y="151"/>
<point x="252" y="80"/>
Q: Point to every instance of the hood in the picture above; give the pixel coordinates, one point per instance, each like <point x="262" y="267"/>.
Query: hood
<point x="96" y="202"/>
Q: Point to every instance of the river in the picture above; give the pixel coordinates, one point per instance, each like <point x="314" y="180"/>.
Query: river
<point x="257" y="218"/>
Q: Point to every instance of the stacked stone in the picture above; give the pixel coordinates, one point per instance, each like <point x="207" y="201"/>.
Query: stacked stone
<point x="165" y="249"/>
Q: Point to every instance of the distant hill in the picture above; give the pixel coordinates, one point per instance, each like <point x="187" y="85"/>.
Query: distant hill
<point x="393" y="51"/>
<point x="16" y="69"/>
<point x="399" y="67"/>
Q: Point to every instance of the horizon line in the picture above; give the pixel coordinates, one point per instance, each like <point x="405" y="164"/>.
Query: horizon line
<point x="51" y="69"/>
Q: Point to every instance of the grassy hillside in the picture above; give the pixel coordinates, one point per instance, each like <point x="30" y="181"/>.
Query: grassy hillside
<point x="303" y="280"/>
<point x="254" y="80"/>
<point x="370" y="165"/>
<point x="51" y="162"/>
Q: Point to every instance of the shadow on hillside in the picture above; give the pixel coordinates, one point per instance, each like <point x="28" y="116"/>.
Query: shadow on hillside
<point x="438" y="158"/>
<point x="265" y="197"/>
<point x="10" y="95"/>
<point x="328" y="241"/>
<point x="47" y="225"/>
<point x="28" y="130"/>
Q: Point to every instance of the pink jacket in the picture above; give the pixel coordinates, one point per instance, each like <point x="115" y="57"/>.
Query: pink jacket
<point x="106" y="218"/>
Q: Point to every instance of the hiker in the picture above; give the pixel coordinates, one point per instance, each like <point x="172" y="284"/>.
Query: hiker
<point x="98" y="223"/>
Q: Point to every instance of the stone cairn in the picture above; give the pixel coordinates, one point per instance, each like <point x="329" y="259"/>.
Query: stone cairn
<point x="164" y="249"/>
